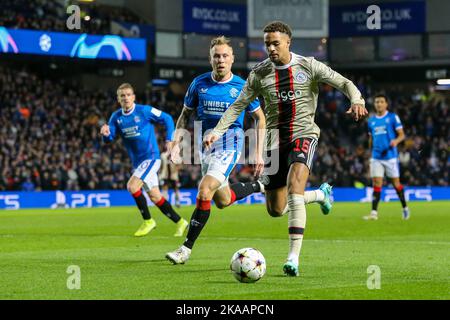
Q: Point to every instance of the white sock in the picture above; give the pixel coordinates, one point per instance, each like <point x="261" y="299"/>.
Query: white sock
<point x="314" y="196"/>
<point x="374" y="212"/>
<point x="297" y="222"/>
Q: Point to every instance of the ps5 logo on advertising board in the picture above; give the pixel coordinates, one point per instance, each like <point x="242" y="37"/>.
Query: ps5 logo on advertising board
<point x="416" y="194"/>
<point x="77" y="200"/>
<point x="410" y="194"/>
<point x="11" y="201"/>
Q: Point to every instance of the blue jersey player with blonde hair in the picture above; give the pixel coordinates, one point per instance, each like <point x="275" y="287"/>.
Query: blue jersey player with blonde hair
<point x="134" y="123"/>
<point x="209" y="96"/>
<point x="385" y="133"/>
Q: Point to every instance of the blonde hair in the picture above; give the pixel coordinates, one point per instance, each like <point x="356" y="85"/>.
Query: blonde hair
<point x="125" y="86"/>
<point x="220" y="41"/>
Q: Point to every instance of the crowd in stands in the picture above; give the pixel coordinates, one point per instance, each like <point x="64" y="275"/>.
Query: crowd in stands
<point x="49" y="136"/>
<point x="51" y="15"/>
<point x="343" y="155"/>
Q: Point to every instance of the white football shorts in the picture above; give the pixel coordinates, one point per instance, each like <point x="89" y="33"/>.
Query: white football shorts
<point x="379" y="167"/>
<point x="220" y="164"/>
<point x="147" y="171"/>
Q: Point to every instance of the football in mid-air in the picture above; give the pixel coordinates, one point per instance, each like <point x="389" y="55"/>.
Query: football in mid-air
<point x="248" y="265"/>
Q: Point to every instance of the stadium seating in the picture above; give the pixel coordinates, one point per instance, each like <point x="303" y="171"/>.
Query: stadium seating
<point x="49" y="137"/>
<point x="50" y="15"/>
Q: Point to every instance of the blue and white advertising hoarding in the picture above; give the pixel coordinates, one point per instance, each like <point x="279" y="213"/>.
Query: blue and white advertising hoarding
<point x="72" y="45"/>
<point x="107" y="198"/>
<point x="215" y="18"/>
<point x="395" y="18"/>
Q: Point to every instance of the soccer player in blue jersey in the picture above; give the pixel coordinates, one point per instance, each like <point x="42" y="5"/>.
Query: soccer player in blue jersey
<point x="385" y="133"/>
<point x="134" y="123"/>
<point x="209" y="96"/>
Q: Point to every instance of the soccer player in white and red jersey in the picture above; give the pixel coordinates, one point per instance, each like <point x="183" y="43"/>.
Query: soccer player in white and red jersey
<point x="289" y="85"/>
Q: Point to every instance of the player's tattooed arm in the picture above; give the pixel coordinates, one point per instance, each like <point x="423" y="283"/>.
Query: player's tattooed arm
<point x="182" y="123"/>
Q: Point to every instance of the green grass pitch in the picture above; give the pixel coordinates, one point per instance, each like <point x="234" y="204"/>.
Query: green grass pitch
<point x="37" y="247"/>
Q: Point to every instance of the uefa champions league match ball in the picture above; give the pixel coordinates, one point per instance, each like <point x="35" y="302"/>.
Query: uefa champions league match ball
<point x="248" y="265"/>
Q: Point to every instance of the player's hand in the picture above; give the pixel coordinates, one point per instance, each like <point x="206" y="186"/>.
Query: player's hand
<point x="259" y="165"/>
<point x="104" y="130"/>
<point x="209" y="139"/>
<point x="393" y="143"/>
<point x="357" y="111"/>
<point x="174" y="154"/>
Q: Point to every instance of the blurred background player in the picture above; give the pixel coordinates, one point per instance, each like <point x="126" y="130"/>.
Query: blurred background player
<point x="209" y="95"/>
<point x="289" y="85"/>
<point x="169" y="178"/>
<point x="385" y="133"/>
<point x="134" y="123"/>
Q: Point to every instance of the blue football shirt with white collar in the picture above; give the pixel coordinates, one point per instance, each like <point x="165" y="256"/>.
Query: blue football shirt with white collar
<point x="138" y="133"/>
<point x="210" y="99"/>
<point x="383" y="130"/>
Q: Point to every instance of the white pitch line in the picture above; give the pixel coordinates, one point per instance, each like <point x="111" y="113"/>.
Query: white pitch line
<point x="333" y="240"/>
<point x="254" y="239"/>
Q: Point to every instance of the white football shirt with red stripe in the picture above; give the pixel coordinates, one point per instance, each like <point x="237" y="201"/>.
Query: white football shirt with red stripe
<point x="290" y="95"/>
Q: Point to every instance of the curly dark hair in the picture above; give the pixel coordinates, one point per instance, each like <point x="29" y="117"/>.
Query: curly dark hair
<point x="279" y="26"/>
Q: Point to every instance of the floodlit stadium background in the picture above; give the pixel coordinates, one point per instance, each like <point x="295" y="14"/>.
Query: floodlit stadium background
<point x="57" y="88"/>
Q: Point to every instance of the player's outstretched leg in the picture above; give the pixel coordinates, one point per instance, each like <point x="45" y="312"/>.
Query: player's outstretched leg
<point x="166" y="208"/>
<point x="149" y="224"/>
<point x="198" y="221"/>
<point x="296" y="182"/>
<point x="227" y="195"/>
<point x="241" y="190"/>
<point x="401" y="195"/>
<point x="297" y="222"/>
<point x="134" y="187"/>
<point x="321" y="196"/>
<point x="375" y="200"/>
<point x="200" y="216"/>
